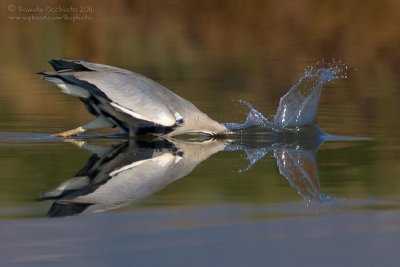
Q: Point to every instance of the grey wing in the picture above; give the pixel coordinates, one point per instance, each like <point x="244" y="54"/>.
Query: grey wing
<point x="131" y="95"/>
<point x="127" y="92"/>
<point x="79" y="65"/>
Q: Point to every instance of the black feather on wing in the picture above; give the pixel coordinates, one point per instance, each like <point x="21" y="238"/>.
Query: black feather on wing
<point x="60" y="65"/>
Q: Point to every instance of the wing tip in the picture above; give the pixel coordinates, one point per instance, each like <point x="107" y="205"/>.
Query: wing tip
<point x="68" y="64"/>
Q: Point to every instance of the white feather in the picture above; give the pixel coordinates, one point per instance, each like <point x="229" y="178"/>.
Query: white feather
<point x="162" y="119"/>
<point x="160" y="160"/>
<point x="71" y="89"/>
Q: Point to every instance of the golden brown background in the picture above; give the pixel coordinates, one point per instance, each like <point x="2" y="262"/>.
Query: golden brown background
<point x="209" y="51"/>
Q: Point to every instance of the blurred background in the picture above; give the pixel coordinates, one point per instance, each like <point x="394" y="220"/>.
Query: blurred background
<point x="206" y="51"/>
<point x="212" y="53"/>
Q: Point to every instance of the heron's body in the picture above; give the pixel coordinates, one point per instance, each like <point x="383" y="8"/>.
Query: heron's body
<point x="124" y="99"/>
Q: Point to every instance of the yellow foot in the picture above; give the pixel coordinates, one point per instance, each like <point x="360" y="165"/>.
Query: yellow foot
<point x="70" y="132"/>
<point x="78" y="143"/>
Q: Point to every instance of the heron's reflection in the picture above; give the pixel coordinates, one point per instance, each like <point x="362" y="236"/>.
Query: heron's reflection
<point x="118" y="174"/>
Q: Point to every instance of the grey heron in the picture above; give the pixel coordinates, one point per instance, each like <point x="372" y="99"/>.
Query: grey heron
<point x="130" y="101"/>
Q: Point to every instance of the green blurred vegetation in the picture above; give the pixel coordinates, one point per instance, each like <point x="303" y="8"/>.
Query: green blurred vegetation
<point x="213" y="53"/>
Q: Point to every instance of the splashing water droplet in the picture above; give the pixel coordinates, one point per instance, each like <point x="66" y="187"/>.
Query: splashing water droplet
<point x="298" y="107"/>
<point x="253" y="118"/>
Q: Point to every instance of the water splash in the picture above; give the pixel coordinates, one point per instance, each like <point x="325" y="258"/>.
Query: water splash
<point x="298" y="107"/>
<point x="253" y="118"/>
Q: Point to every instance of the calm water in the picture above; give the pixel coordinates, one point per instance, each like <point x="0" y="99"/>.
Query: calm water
<point x="212" y="203"/>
